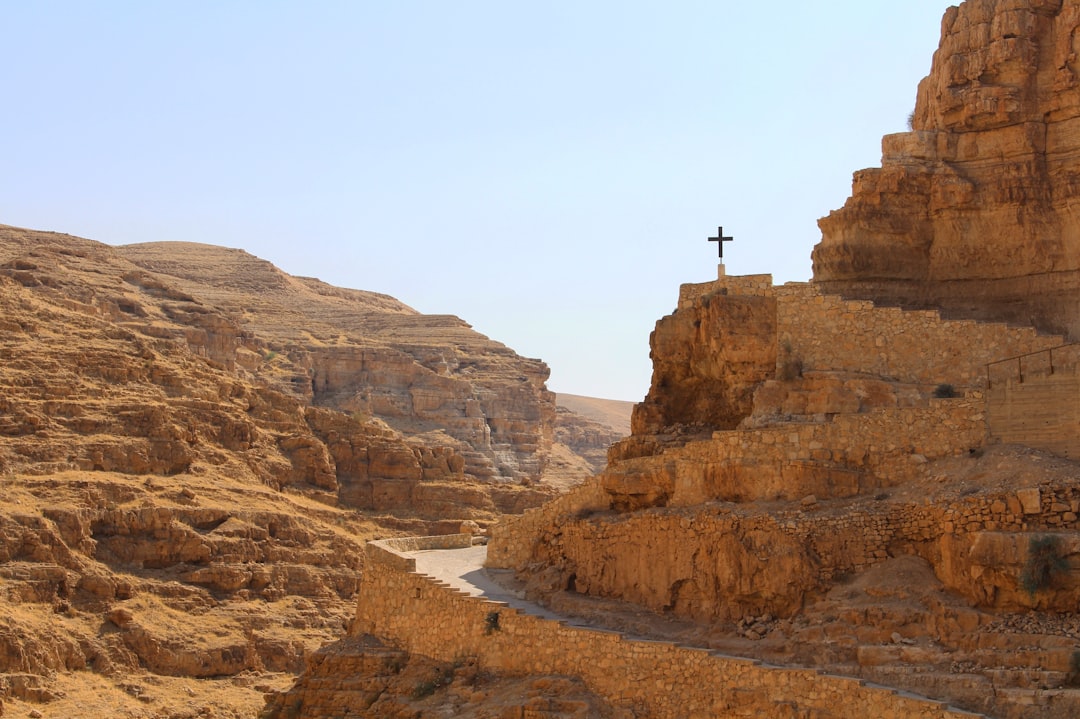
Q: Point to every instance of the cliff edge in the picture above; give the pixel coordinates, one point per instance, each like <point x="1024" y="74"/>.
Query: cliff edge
<point x="972" y="210"/>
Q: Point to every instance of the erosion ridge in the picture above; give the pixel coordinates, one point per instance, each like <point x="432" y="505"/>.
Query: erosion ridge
<point x="194" y="446"/>
<point x="970" y="211"/>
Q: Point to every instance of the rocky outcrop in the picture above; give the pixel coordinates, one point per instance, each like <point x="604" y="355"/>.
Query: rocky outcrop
<point x="707" y="359"/>
<point x="360" y="676"/>
<point x="860" y="437"/>
<point x="585" y="437"/>
<point x="192" y="463"/>
<point x="971" y="211"/>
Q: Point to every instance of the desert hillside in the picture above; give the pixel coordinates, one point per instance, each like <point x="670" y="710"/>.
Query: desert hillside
<point x="194" y="446"/>
<point x="611" y="412"/>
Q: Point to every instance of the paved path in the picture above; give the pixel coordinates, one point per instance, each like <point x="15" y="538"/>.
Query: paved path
<point x="464" y="569"/>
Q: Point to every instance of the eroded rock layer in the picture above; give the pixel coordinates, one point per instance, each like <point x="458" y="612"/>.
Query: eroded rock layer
<point x="861" y="442"/>
<point x="973" y="210"/>
<point x="194" y="447"/>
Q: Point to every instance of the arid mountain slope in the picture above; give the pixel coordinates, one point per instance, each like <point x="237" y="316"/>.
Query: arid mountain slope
<point x="613" y="413"/>
<point x="195" y="445"/>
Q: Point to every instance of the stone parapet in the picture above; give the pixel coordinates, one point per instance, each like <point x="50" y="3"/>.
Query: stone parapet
<point x="392" y="551"/>
<point x="761" y="285"/>
<point x="513" y="538"/>
<point x="665" y="680"/>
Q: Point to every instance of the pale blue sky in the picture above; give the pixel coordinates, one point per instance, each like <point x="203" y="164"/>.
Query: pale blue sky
<point x="548" y="171"/>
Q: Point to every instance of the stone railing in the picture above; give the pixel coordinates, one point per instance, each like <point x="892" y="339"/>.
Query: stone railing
<point x="1040" y="363"/>
<point x="665" y="680"/>
<point x="734" y="285"/>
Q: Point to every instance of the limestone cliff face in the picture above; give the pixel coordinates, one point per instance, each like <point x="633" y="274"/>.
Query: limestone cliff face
<point x="972" y="211"/>
<point x="372" y="356"/>
<point x="199" y="355"/>
<point x="708" y="356"/>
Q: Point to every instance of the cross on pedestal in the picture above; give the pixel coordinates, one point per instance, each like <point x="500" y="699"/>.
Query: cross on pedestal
<point x="720" y="240"/>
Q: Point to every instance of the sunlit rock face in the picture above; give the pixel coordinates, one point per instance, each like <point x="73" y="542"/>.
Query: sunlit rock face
<point x="974" y="210"/>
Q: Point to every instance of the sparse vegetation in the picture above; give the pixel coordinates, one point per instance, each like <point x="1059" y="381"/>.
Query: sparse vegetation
<point x="425" y="688"/>
<point x="911" y="121"/>
<point x="1044" y="560"/>
<point x="791" y="366"/>
<point x="945" y="391"/>
<point x="491" y="622"/>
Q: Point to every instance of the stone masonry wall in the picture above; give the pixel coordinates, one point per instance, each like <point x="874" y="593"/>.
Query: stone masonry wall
<point x="1040" y="411"/>
<point x="661" y="679"/>
<point x="851" y="454"/>
<point x="829" y="333"/>
<point x="667" y="561"/>
<point x="735" y="285"/>
<point x="838" y="458"/>
<point x="885" y="447"/>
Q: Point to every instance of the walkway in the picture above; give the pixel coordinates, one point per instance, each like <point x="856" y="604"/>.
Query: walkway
<point x="463" y="569"/>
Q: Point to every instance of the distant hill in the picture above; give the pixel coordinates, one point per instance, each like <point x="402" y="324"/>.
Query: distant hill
<point x="613" y="413"/>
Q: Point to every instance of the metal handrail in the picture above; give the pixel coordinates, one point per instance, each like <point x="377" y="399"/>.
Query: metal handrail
<point x="1020" y="361"/>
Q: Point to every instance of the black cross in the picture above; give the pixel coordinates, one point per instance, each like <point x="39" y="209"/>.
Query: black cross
<point x="720" y="240"/>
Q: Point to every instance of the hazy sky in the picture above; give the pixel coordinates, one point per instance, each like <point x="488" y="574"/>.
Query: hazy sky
<point x="548" y="171"/>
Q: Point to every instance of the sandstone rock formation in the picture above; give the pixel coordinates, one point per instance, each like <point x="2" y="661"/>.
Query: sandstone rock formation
<point x="971" y="211"/>
<point x="860" y="441"/>
<point x="706" y="364"/>
<point x="360" y="676"/>
<point x="821" y="476"/>
<point x="193" y="448"/>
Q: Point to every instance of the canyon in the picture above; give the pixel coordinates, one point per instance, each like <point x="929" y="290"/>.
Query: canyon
<point x="854" y="496"/>
<point x="869" y="476"/>
<point x="194" y="447"/>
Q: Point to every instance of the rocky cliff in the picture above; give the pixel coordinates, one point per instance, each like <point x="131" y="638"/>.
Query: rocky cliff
<point x="194" y="446"/>
<point x="850" y="512"/>
<point x="972" y="211"/>
<point x="814" y="479"/>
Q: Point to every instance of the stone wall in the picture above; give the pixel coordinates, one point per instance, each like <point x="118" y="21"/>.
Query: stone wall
<point x="825" y="332"/>
<point x="885" y="447"/>
<point x="668" y="561"/>
<point x="829" y="333"/>
<point x="659" y="679"/>
<point x="840" y="458"/>
<point x="1038" y="405"/>
<point x="850" y="454"/>
<point x="392" y="551"/>
<point x="761" y="285"/>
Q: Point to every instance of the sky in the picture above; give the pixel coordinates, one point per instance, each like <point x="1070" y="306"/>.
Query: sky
<point x="547" y="171"/>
